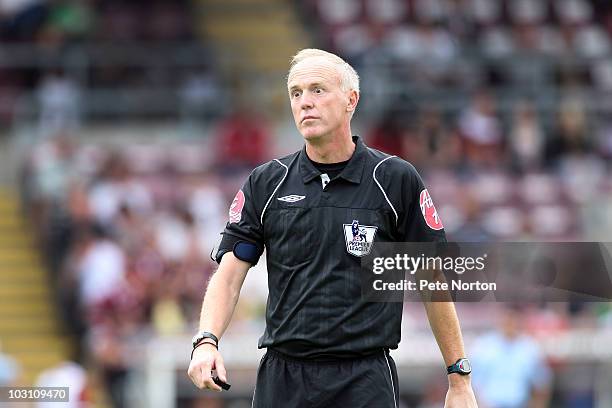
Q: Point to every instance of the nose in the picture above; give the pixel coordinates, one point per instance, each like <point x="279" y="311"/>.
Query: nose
<point x="306" y="101"/>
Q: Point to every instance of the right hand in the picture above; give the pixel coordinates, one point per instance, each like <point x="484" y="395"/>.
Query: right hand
<point x="205" y="359"/>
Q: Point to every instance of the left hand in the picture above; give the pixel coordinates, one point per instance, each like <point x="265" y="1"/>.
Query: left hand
<point x="460" y="396"/>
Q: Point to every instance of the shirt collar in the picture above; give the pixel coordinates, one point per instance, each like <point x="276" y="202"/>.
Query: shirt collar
<point x="352" y="172"/>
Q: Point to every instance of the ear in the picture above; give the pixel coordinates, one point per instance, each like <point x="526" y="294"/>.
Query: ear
<point x="353" y="99"/>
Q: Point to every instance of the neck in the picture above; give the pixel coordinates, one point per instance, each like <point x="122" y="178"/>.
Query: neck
<point x="331" y="150"/>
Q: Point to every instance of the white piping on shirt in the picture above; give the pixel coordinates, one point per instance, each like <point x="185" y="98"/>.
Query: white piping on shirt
<point x="381" y="189"/>
<point x="275" y="190"/>
<point x="391" y="377"/>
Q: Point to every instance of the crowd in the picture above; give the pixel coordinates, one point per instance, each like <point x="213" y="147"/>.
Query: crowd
<point x="62" y="22"/>
<point x="515" y="179"/>
<point x="64" y="59"/>
<point x="487" y="98"/>
<point x="432" y="35"/>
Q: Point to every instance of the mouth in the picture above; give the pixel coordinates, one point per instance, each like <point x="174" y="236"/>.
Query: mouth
<point x="305" y="118"/>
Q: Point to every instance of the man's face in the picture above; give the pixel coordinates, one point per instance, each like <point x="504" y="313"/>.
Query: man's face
<point x="318" y="103"/>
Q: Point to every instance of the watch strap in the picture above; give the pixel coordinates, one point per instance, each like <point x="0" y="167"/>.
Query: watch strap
<point x="205" y="335"/>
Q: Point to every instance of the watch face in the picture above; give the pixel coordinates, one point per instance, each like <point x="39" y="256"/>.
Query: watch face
<point x="465" y="366"/>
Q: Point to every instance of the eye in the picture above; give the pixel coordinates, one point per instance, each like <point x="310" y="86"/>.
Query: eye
<point x="318" y="90"/>
<point x="295" y="94"/>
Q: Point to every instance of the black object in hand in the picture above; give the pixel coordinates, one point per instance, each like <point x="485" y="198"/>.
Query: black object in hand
<point x="221" y="384"/>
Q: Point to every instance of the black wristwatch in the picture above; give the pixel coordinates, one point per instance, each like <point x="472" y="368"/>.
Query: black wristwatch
<point x="204" y="335"/>
<point x="461" y="367"/>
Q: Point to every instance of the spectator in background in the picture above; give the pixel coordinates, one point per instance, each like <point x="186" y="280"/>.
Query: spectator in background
<point x="526" y="137"/>
<point x="20" y="20"/>
<point x="579" y="36"/>
<point x="99" y="268"/>
<point x="358" y="40"/>
<point x="243" y="141"/>
<point x="526" y="11"/>
<point x="338" y="12"/>
<point x="201" y="98"/>
<point x="52" y="170"/>
<point x="389" y="133"/>
<point x="431" y="10"/>
<point x="166" y="315"/>
<point x="459" y="19"/>
<point x="67" y="374"/>
<point x="509" y="369"/>
<point x="481" y="131"/>
<point x="471" y="227"/>
<point x="9" y="370"/>
<point x="131" y="230"/>
<point x="530" y="42"/>
<point x="108" y="345"/>
<point x="435" y="46"/>
<point x="437" y="146"/>
<point x="385" y="12"/>
<point x="571" y="136"/>
<point x="52" y="165"/>
<point x="68" y="21"/>
<point x="428" y="49"/>
<point x="114" y="187"/>
<point x="176" y="236"/>
<point x="208" y="206"/>
<point x="495" y="41"/>
<point x="484" y="12"/>
<point x="59" y="100"/>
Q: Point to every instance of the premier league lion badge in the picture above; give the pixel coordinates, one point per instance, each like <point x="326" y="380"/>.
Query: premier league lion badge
<point x="359" y="238"/>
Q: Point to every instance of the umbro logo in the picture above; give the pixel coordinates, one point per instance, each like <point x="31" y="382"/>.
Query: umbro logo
<point x="291" y="198"/>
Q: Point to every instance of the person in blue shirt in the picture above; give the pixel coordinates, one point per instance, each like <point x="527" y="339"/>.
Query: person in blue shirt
<point x="510" y="370"/>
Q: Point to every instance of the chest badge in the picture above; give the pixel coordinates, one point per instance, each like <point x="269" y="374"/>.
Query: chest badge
<point x="359" y="238"/>
<point x="291" y="198"/>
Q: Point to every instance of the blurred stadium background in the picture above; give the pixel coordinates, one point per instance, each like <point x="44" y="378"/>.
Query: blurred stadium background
<point x="127" y="126"/>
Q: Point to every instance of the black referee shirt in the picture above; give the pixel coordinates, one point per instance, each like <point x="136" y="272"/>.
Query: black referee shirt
<point x="314" y="232"/>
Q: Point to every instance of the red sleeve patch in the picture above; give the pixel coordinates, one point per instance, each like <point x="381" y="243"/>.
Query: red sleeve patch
<point x="429" y="211"/>
<point x="235" y="211"/>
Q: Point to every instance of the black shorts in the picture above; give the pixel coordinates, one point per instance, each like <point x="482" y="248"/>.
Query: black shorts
<point x="286" y="382"/>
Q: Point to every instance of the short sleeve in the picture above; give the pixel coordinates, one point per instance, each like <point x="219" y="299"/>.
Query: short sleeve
<point x="243" y="227"/>
<point x="420" y="221"/>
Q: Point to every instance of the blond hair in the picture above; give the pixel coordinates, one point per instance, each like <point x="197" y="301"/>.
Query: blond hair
<point x="349" y="79"/>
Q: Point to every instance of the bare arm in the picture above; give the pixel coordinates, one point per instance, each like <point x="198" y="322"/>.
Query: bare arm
<point x="217" y="310"/>
<point x="222" y="294"/>
<point x="445" y="327"/>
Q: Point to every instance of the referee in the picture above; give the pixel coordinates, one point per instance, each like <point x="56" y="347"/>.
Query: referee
<point x="317" y="212"/>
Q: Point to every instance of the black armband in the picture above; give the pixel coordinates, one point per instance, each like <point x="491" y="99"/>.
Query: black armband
<point x="244" y="250"/>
